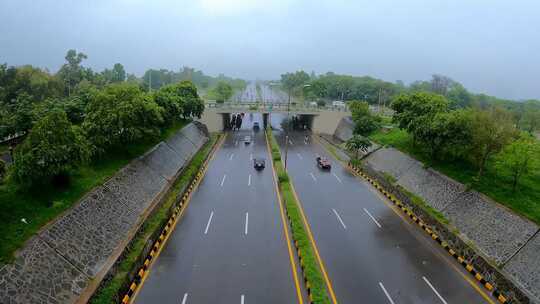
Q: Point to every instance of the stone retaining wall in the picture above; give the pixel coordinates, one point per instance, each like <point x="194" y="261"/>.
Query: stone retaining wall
<point x="57" y="265"/>
<point x="502" y="237"/>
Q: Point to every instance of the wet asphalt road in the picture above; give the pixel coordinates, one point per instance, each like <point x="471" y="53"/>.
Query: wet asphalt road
<point x="230" y="246"/>
<point x="370" y="253"/>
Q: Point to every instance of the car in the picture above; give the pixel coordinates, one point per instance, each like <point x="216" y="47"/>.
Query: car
<point x="247" y="140"/>
<point x="323" y="163"/>
<point x="258" y="163"/>
<point x="256" y="126"/>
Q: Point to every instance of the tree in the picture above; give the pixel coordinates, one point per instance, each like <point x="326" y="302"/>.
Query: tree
<point x="414" y="111"/>
<point x="121" y="114"/>
<point x="291" y="82"/>
<point x="53" y="148"/>
<point x="492" y="130"/>
<point x="118" y="73"/>
<point x="445" y="130"/>
<point x="531" y="119"/>
<point x="365" y="121"/>
<point x="519" y="157"/>
<point x="223" y="91"/>
<point x="358" y="143"/>
<point x="72" y="73"/>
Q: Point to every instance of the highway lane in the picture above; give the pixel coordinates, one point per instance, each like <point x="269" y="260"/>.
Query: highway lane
<point x="370" y="253"/>
<point x="229" y="247"/>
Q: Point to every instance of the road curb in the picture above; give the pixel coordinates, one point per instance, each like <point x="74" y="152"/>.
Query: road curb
<point x="461" y="260"/>
<point x="177" y="213"/>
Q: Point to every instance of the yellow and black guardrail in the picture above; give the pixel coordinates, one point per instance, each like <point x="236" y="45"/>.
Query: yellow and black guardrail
<point x="160" y="241"/>
<point x="470" y="268"/>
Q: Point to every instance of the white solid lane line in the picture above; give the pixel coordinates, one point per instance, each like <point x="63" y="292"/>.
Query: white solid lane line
<point x="339" y="218"/>
<point x="223" y="180"/>
<point x="313" y="176"/>
<point x="434" y="290"/>
<point x="249" y="180"/>
<point x="299" y="156"/>
<point x="371" y="216"/>
<point x="338" y="179"/>
<point x="208" y="224"/>
<point x="242" y="299"/>
<point x="386" y="293"/>
<point x="247" y="223"/>
<point x="184" y="299"/>
<point x="232" y="155"/>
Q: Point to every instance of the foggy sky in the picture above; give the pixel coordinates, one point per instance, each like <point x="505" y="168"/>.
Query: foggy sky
<point x="491" y="46"/>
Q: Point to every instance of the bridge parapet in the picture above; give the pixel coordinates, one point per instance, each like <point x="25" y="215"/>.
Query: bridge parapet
<point x="271" y="107"/>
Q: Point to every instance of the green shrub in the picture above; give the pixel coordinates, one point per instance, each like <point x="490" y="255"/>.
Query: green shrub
<point x="283" y="177"/>
<point x="2" y="169"/>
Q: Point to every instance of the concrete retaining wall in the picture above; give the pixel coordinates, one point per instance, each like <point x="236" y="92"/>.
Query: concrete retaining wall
<point x="58" y="264"/>
<point x="502" y="237"/>
<point x="344" y="130"/>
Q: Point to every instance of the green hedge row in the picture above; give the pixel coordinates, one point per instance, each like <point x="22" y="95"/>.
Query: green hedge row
<point x="311" y="270"/>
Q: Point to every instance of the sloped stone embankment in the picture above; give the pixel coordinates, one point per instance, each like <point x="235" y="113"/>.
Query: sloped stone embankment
<point x="57" y="265"/>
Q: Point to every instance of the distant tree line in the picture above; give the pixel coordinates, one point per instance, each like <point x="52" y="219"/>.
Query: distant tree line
<point x="331" y="86"/>
<point x="161" y="77"/>
<point x="76" y="116"/>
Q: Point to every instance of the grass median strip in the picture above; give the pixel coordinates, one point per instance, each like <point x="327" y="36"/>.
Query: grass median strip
<point x="313" y="277"/>
<point x="110" y="291"/>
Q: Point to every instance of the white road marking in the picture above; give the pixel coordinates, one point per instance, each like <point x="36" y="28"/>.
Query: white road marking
<point x="184" y="299"/>
<point x="312" y="176"/>
<point x="223" y="180"/>
<point x="371" y="216"/>
<point x="386" y="293"/>
<point x="247" y="223"/>
<point x="339" y="218"/>
<point x="208" y="224"/>
<point x="236" y="143"/>
<point x="434" y="290"/>
<point x="299" y="156"/>
<point x="290" y="142"/>
<point x="232" y="155"/>
<point x="338" y="179"/>
<point x="242" y="299"/>
<point x="251" y="156"/>
<point x="249" y="180"/>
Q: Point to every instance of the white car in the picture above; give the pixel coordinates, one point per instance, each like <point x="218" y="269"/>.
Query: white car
<point x="338" y="103"/>
<point x="247" y="140"/>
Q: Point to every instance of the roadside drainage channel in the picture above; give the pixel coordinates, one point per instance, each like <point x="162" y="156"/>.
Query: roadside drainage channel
<point x="461" y="260"/>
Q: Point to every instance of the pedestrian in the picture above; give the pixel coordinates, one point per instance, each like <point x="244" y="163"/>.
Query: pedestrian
<point x="233" y="122"/>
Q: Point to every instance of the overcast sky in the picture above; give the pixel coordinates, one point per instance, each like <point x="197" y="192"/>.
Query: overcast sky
<point x="491" y="46"/>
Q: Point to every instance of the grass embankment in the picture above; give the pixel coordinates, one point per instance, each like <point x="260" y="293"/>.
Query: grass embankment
<point x="496" y="184"/>
<point x="109" y="292"/>
<point x="311" y="269"/>
<point x="42" y="205"/>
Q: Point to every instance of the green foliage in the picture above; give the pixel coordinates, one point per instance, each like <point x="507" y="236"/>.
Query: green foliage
<point x="164" y="77"/>
<point x="311" y="267"/>
<point x="223" y="91"/>
<point x="497" y="183"/>
<point x="365" y="121"/>
<point x="293" y="82"/>
<point x="283" y="177"/>
<point x="358" y="143"/>
<point x="492" y="129"/>
<point x="519" y="158"/>
<point x="179" y="99"/>
<point x="121" y="114"/>
<point x="53" y="148"/>
<point x="2" y="170"/>
<point x="40" y="205"/>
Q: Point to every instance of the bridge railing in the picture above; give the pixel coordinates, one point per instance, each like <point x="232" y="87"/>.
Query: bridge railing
<point x="272" y="107"/>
